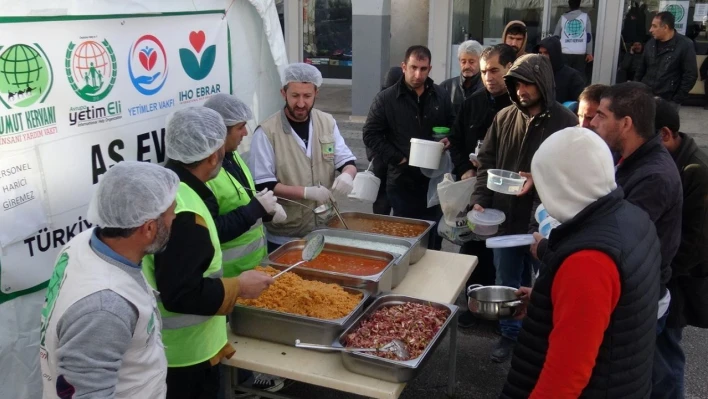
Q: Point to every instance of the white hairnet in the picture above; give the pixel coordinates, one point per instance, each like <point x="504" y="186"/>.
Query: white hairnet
<point x="233" y="110"/>
<point x="132" y="193"/>
<point x="193" y="134"/>
<point x="302" y="73"/>
<point x="469" y="47"/>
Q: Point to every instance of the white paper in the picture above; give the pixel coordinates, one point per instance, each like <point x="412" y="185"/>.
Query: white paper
<point x="22" y="211"/>
<point x="699" y="12"/>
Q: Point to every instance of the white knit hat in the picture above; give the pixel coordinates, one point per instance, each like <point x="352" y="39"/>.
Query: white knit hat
<point x="572" y="169"/>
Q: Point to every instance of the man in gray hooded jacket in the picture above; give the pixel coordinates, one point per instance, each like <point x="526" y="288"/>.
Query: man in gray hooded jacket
<point x="510" y="143"/>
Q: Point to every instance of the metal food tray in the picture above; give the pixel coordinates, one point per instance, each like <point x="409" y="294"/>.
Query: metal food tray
<point x="374" y="284"/>
<point x="420" y="243"/>
<point x="387" y="369"/>
<point x="285" y="328"/>
<point x="402" y="263"/>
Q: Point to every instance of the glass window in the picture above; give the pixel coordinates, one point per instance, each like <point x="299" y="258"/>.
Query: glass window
<point x="558" y="9"/>
<point x="327" y="37"/>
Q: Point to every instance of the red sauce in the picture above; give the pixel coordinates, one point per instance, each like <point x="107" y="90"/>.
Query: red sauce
<point x="336" y="262"/>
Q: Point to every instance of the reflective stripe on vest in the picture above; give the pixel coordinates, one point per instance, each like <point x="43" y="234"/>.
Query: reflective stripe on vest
<point x="247" y="250"/>
<point x="191" y="339"/>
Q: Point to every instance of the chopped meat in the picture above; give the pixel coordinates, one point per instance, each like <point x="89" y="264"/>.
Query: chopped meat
<point x="414" y="324"/>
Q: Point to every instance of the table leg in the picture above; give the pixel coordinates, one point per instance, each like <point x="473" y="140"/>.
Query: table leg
<point x="452" y="358"/>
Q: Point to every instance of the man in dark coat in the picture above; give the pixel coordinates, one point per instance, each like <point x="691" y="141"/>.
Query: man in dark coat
<point x="689" y="268"/>
<point x="669" y="66"/>
<point x="409" y="109"/>
<point x="461" y="87"/>
<point x="514" y="136"/>
<point x="569" y="82"/>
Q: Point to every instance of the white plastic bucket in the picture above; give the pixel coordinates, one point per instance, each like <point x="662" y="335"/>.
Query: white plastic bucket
<point x="425" y="153"/>
<point x="366" y="187"/>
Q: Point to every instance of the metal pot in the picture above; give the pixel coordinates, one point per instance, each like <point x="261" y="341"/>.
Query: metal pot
<point x="493" y="302"/>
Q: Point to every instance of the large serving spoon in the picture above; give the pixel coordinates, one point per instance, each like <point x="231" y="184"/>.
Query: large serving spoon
<point x="397" y="347"/>
<point x="310" y="251"/>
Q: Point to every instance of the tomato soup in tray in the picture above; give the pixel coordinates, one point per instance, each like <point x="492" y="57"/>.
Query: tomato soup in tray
<point x="337" y="262"/>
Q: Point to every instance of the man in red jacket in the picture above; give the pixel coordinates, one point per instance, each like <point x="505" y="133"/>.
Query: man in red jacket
<point x="591" y="321"/>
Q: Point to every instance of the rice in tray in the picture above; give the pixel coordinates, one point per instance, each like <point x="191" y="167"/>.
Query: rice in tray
<point x="292" y="294"/>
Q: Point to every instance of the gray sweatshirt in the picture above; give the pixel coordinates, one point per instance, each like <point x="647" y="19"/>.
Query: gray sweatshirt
<point x="572" y="15"/>
<point x="95" y="332"/>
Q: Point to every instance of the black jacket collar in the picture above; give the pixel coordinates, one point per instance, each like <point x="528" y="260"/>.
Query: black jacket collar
<point x="650" y="146"/>
<point x="403" y="88"/>
<point x="186" y="177"/>
<point x="685" y="151"/>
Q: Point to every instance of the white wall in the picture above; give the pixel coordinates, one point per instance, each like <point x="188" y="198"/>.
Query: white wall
<point x="409" y="26"/>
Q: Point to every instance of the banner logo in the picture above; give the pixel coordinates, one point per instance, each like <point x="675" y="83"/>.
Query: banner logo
<point x="677" y="10"/>
<point x="26" y="76"/>
<point x="91" y="69"/>
<point x="151" y="65"/>
<point x="574" y="28"/>
<point x="197" y="69"/>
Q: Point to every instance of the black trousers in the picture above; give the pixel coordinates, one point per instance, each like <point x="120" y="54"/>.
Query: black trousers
<point x="381" y="206"/>
<point x="415" y="205"/>
<point x="200" y="381"/>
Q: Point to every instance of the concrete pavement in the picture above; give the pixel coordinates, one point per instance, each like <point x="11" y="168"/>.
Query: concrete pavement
<point x="477" y="376"/>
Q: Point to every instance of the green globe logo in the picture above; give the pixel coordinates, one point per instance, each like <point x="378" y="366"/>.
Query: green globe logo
<point x="677" y="10"/>
<point x="91" y="69"/>
<point x="574" y="28"/>
<point x="25" y="75"/>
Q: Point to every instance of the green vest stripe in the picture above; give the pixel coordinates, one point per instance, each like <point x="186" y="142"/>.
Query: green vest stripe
<point x="191" y="339"/>
<point x="247" y="250"/>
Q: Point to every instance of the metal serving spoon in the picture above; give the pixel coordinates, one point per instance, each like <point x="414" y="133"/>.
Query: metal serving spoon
<point x="396" y="347"/>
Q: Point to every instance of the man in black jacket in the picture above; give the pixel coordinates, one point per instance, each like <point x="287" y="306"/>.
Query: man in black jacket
<point x="689" y="269"/>
<point x="409" y="109"/>
<point x="569" y="82"/>
<point x="470" y="127"/>
<point x="514" y="136"/>
<point x="460" y="88"/>
<point x="669" y="65"/>
<point x="650" y="180"/>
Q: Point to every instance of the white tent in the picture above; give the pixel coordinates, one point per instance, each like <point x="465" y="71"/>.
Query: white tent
<point x="257" y="54"/>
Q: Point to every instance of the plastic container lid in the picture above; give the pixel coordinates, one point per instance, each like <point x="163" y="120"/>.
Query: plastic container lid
<point x="490" y="217"/>
<point x="441" y="130"/>
<point x="516" y="240"/>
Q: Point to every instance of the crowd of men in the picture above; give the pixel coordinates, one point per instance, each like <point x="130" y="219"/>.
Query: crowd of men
<point x="137" y="306"/>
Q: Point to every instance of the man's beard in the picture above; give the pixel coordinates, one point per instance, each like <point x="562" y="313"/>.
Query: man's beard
<point x="161" y="239"/>
<point x="468" y="74"/>
<point x="529" y="103"/>
<point x="291" y="110"/>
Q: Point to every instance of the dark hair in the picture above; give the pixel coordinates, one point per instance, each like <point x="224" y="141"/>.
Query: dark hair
<point x="593" y="93"/>
<point x="574" y="4"/>
<point x="506" y="53"/>
<point x="666" y="18"/>
<point x="515" y="29"/>
<point x="116" y="232"/>
<point x="419" y="52"/>
<point x="666" y="116"/>
<point x="636" y="101"/>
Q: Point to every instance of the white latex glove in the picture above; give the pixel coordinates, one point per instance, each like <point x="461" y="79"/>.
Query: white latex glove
<point x="317" y="193"/>
<point x="343" y="185"/>
<point x="280" y="214"/>
<point x="268" y="201"/>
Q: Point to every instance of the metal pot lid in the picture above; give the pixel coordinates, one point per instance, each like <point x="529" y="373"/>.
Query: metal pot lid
<point x="490" y="217"/>
<point x="516" y="240"/>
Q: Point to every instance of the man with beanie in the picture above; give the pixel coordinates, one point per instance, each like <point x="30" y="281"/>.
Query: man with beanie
<point x="516" y="35"/>
<point x="689" y="268"/>
<point x="513" y="137"/>
<point x="470" y="128"/>
<point x="296" y="152"/>
<point x="649" y="177"/>
<point x="194" y="296"/>
<point x="100" y="331"/>
<point x="590" y="324"/>
<point x="460" y="88"/>
<point x="237" y="209"/>
<point x="569" y="82"/>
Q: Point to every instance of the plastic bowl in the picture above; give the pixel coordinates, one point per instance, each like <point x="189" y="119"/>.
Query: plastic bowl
<point x="485" y="223"/>
<point x="504" y="182"/>
<point x="425" y="153"/>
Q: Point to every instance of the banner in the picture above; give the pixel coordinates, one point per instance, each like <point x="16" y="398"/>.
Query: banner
<point x="680" y="11"/>
<point x="78" y="95"/>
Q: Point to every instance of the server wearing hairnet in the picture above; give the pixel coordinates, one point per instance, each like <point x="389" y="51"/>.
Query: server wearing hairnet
<point x="297" y="152"/>
<point x="100" y="334"/>
<point x="238" y="208"/>
<point x="194" y="295"/>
